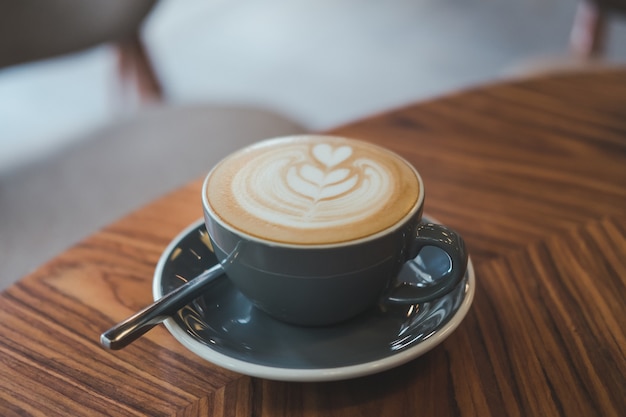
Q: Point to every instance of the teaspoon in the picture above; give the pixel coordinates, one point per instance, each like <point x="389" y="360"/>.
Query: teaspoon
<point x="129" y="330"/>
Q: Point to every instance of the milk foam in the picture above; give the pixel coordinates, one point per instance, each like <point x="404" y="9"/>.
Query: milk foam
<point x="312" y="189"/>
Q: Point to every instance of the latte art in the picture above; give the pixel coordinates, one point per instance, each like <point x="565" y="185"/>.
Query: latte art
<point x="312" y="190"/>
<point x="311" y="186"/>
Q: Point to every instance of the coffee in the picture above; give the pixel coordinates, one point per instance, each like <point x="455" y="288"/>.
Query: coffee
<point x="314" y="229"/>
<point x="312" y="190"/>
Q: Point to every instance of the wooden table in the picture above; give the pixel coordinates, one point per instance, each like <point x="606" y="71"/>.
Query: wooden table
<point x="532" y="173"/>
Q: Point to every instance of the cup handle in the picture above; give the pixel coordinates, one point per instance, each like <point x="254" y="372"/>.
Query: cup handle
<point x="429" y="234"/>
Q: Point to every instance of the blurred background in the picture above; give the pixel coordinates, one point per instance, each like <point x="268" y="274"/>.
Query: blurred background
<point x="230" y="71"/>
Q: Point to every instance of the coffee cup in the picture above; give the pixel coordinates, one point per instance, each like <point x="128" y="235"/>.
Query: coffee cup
<point x="314" y="229"/>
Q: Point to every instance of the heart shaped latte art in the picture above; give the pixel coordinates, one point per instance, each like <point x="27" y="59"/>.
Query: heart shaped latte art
<point x="330" y="156"/>
<point x="311" y="186"/>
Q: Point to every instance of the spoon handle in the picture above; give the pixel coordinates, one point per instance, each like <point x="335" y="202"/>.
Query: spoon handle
<point x="124" y="333"/>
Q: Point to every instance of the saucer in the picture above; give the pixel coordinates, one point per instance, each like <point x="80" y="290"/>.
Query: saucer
<point x="224" y="328"/>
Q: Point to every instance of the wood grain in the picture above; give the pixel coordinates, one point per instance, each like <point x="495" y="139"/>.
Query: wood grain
<point x="532" y="173"/>
<point x="516" y="161"/>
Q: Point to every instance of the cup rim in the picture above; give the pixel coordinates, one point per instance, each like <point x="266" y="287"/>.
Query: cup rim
<point x="400" y="223"/>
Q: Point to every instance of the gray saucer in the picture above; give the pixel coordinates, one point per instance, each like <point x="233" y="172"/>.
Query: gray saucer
<point x="224" y="328"/>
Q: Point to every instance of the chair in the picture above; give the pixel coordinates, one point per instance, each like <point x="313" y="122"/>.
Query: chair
<point x="588" y="36"/>
<point x="32" y="30"/>
<point x="587" y="43"/>
<point x="50" y="203"/>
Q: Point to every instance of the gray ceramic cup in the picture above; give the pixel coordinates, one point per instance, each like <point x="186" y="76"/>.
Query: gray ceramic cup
<point x="316" y="285"/>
